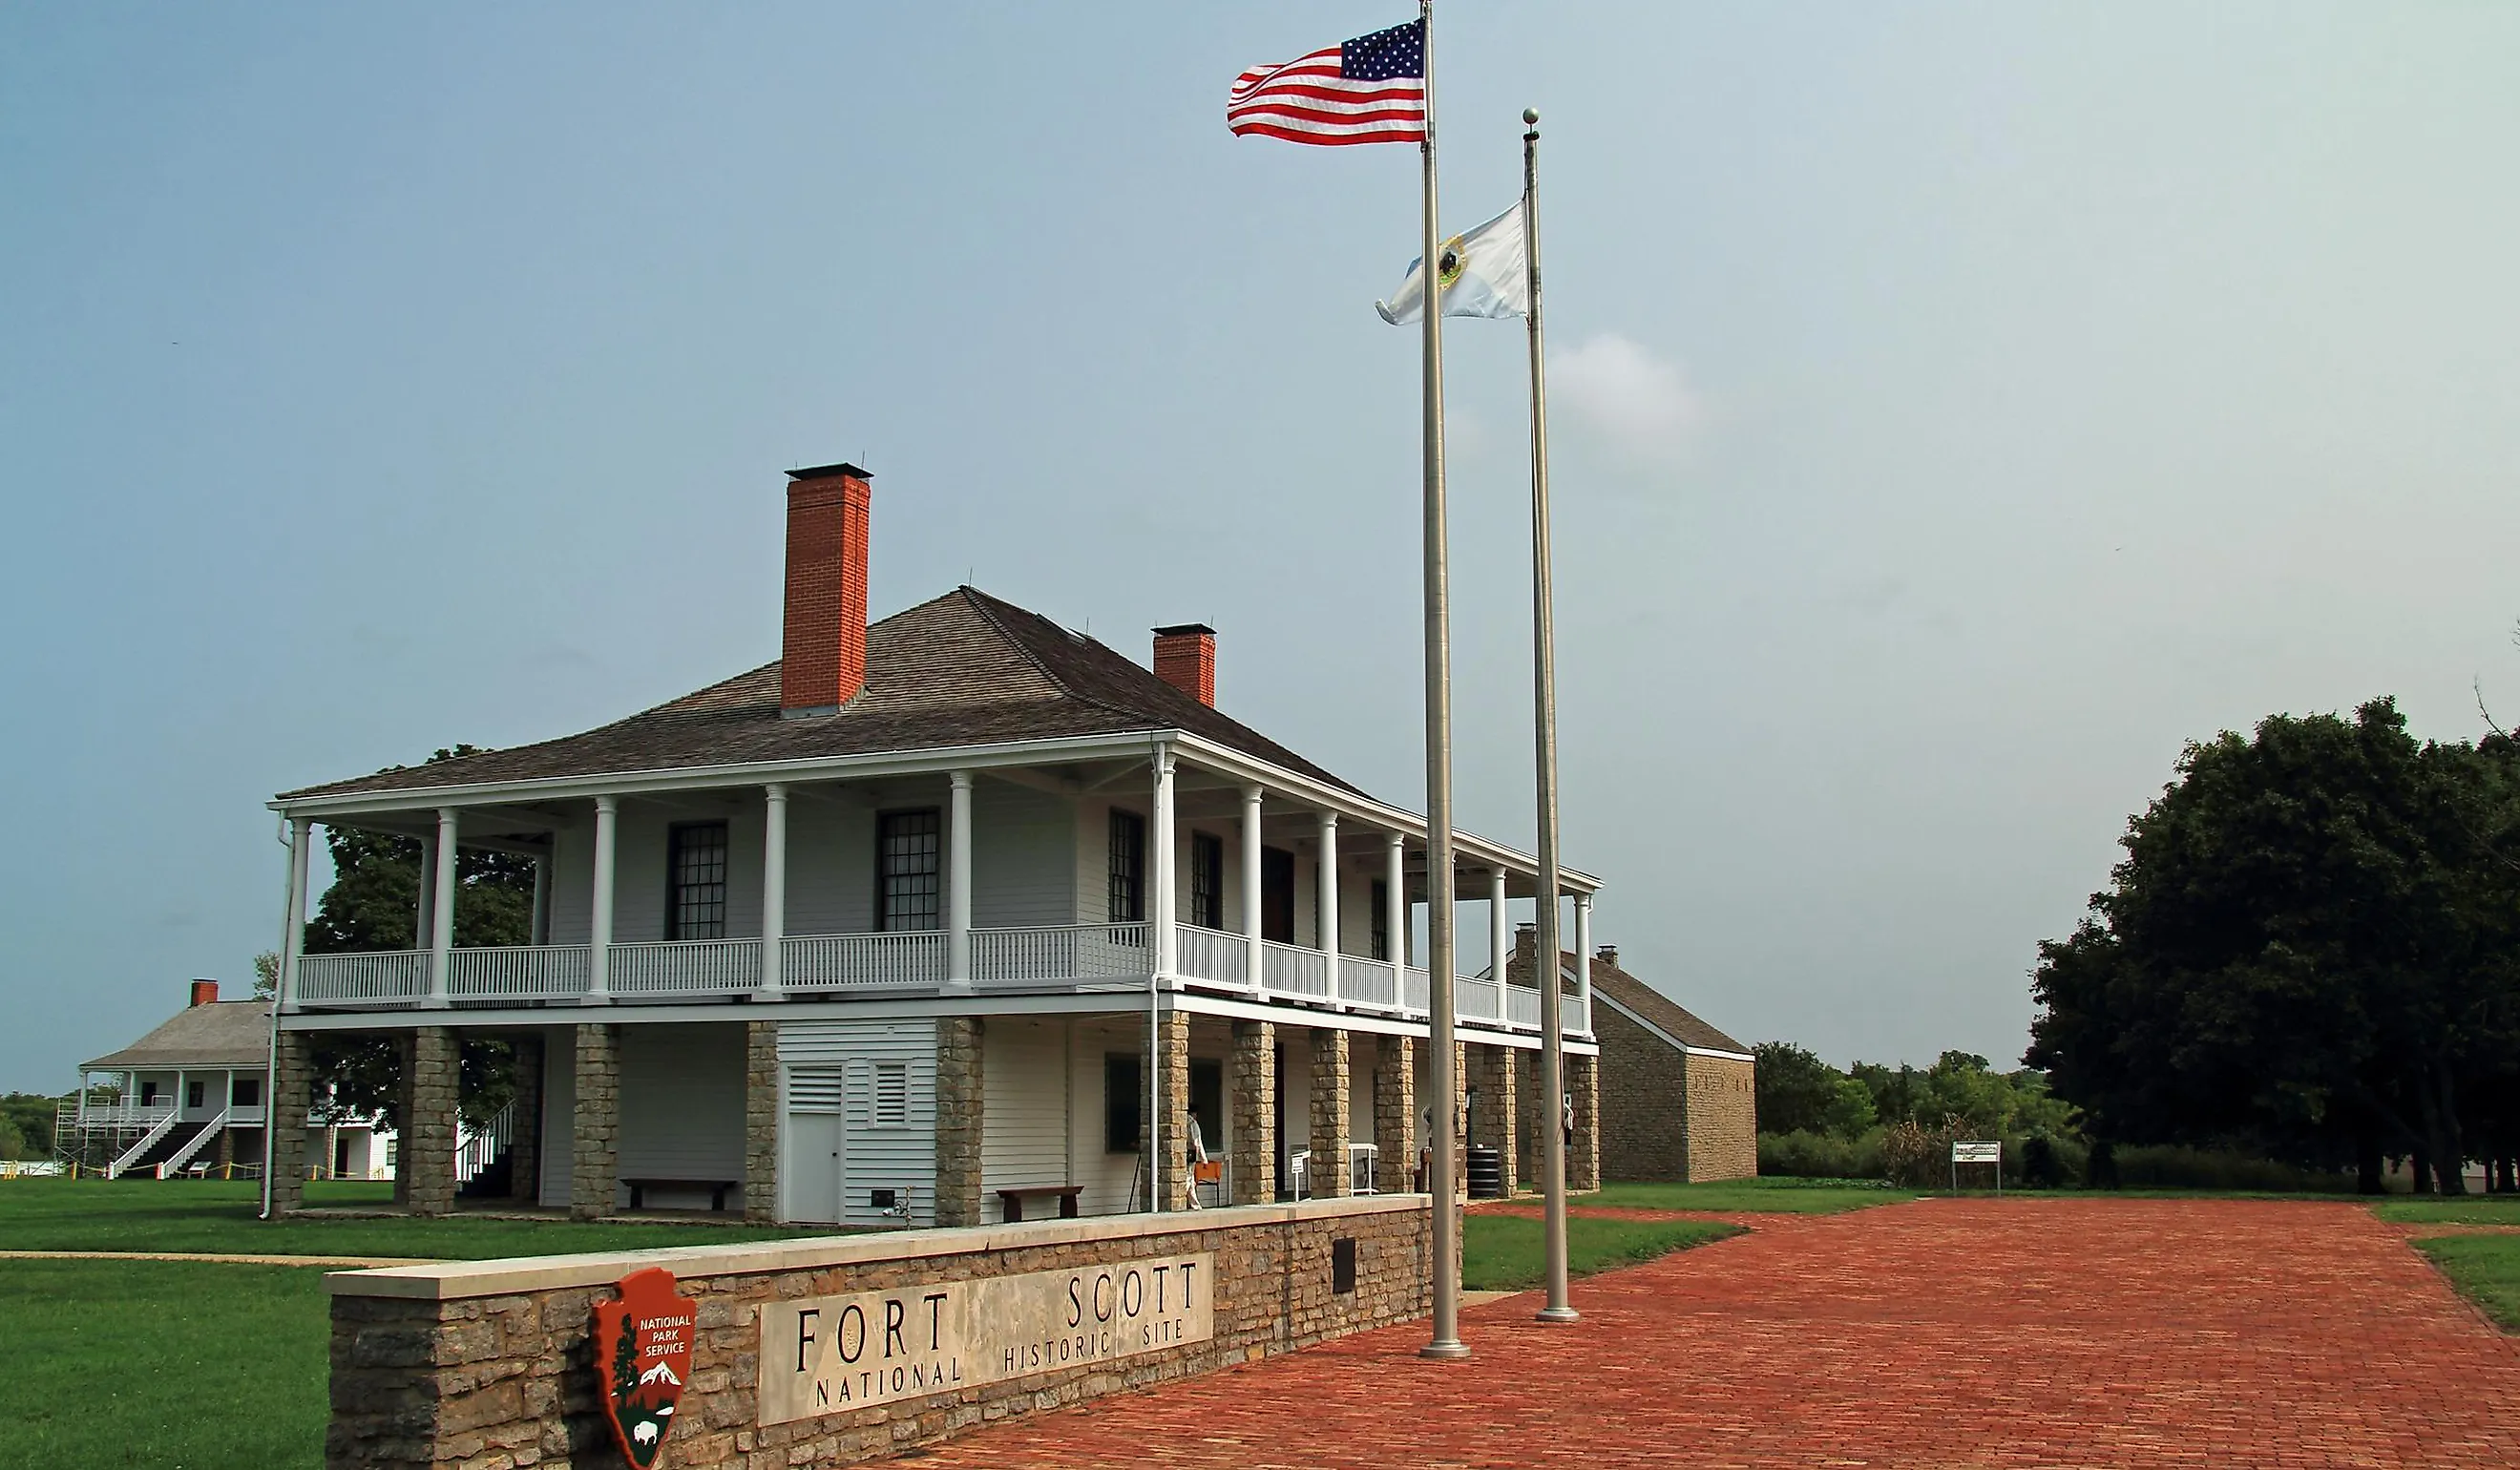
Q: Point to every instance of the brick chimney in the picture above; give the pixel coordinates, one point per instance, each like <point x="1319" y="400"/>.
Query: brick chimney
<point x="205" y="992"/>
<point x="1607" y="953"/>
<point x="821" y="647"/>
<point x="1186" y="660"/>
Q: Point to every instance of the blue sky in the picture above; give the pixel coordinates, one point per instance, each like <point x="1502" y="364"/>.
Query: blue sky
<point x="1957" y="407"/>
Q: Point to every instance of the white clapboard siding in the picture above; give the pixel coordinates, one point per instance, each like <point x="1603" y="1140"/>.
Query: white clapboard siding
<point x="560" y="1114"/>
<point x="682" y="1107"/>
<point x="900" y="1156"/>
<point x="572" y="885"/>
<point x="830" y="868"/>
<point x="1023" y="857"/>
<point x="1023" y="1134"/>
<point x="1107" y="1176"/>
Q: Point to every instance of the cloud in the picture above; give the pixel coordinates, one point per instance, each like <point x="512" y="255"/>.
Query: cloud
<point x="1640" y="404"/>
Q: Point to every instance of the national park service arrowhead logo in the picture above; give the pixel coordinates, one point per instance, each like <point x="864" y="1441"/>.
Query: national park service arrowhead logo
<point x="643" y="1348"/>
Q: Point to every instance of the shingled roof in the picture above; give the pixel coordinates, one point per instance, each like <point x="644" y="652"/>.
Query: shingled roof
<point x="221" y="1033"/>
<point x="962" y="669"/>
<point x="1658" y="1010"/>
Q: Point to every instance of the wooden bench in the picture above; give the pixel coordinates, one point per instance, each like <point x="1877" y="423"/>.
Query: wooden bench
<point x="1012" y="1201"/>
<point x="717" y="1189"/>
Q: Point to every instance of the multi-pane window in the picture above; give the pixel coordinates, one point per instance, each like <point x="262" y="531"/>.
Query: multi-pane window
<point x="1208" y="880"/>
<point x="246" y="1091"/>
<point x="910" y="885"/>
<point x="1382" y="920"/>
<point x="695" y="865"/>
<point x="1128" y="900"/>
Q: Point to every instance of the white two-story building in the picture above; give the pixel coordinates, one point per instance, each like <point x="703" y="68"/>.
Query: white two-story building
<point x="889" y="930"/>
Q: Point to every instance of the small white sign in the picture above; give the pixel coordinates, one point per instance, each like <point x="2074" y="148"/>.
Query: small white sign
<point x="1977" y="1153"/>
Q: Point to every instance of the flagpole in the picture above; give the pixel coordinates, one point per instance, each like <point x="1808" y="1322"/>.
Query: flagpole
<point x="1445" y="1260"/>
<point x="1543" y="665"/>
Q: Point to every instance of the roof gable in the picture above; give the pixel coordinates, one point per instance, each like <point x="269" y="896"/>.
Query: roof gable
<point x="960" y="669"/>
<point x="221" y="1033"/>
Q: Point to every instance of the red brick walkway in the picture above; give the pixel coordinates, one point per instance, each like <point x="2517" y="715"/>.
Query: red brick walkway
<point x="1969" y="1332"/>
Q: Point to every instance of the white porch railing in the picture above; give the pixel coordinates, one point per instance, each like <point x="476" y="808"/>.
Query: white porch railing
<point x="388" y="978"/>
<point x="1522" y="1008"/>
<point x="1042" y="954"/>
<point x="675" y="967"/>
<point x="1416" y="990"/>
<point x="476" y="1150"/>
<point x="1211" y="954"/>
<point x="1478" y="1000"/>
<point x="174" y="1162"/>
<point x="912" y="959"/>
<point x="147" y="1141"/>
<point x="529" y="972"/>
<point x="1573" y="1017"/>
<point x="1292" y="970"/>
<point x="1369" y="982"/>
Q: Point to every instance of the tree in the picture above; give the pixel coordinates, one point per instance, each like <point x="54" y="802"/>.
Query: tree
<point x="2305" y="949"/>
<point x="1795" y="1088"/>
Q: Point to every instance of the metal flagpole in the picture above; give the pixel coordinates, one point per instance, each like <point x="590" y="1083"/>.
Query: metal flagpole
<point x="1543" y="665"/>
<point x="1446" y="1253"/>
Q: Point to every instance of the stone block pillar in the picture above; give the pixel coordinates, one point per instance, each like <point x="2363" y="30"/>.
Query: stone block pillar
<point x="1395" y="1114"/>
<point x="761" y="1122"/>
<point x="1583" y="1153"/>
<point x="1172" y="1073"/>
<point x="1254" y="1105"/>
<point x="1493" y="1121"/>
<point x="960" y="1116"/>
<point x="284" y="1122"/>
<point x="595" y="1160"/>
<point x="1327" y="1178"/>
<point x="525" y="1148"/>
<point x="424" y="1169"/>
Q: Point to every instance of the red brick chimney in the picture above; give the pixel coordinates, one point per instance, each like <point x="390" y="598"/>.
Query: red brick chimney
<point x="205" y="992"/>
<point x="823" y="644"/>
<point x="1186" y="660"/>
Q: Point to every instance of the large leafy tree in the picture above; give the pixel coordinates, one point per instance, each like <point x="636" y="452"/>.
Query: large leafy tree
<point x="2304" y="950"/>
<point x="373" y="904"/>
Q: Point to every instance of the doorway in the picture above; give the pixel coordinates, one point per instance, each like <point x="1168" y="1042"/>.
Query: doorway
<point x="1276" y="895"/>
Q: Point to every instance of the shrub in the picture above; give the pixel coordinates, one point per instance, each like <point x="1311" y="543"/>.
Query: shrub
<point x="2169" y="1167"/>
<point x="2043" y="1166"/>
<point x="1805" y="1154"/>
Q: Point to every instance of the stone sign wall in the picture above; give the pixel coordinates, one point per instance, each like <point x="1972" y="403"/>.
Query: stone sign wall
<point x="834" y="1350"/>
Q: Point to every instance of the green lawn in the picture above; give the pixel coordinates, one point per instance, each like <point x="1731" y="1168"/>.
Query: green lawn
<point x="1502" y="1252"/>
<point x="2486" y="1269"/>
<point x="1790" y="1196"/>
<point x="206" y="1215"/>
<point x="2459" y="1209"/>
<point x="164" y="1364"/>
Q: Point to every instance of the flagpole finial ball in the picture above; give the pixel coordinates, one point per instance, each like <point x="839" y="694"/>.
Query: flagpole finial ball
<point x="1530" y="117"/>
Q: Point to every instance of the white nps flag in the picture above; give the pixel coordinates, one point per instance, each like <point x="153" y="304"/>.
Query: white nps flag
<point x="1483" y="272"/>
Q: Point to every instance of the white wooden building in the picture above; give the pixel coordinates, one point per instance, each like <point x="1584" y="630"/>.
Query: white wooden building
<point x="882" y="929"/>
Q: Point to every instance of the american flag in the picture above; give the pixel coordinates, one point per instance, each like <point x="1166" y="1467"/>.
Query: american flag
<point x="1369" y="89"/>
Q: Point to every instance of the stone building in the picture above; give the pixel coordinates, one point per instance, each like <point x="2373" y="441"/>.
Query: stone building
<point x="1678" y="1097"/>
<point x="938" y="920"/>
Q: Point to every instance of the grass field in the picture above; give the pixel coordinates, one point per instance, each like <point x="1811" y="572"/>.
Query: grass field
<point x="1773" y="1194"/>
<point x="204" y="1215"/>
<point x="1502" y="1252"/>
<point x="2465" y="1209"/>
<point x="2486" y="1269"/>
<point x="163" y="1363"/>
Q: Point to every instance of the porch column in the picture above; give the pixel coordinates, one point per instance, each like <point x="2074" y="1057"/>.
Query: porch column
<point x="599" y="929"/>
<point x="538" y="923"/>
<point x="1584" y="1150"/>
<point x="960" y="1120"/>
<point x="425" y="1164"/>
<point x="763" y="1117"/>
<point x="524" y="1145"/>
<point x="1251" y="948"/>
<point x="958" y="892"/>
<point x="774" y="895"/>
<point x="1161" y="900"/>
<point x="1164" y="1134"/>
<point x="424" y="914"/>
<point x="1395" y="1110"/>
<point x="1325" y="904"/>
<point x="594" y="1152"/>
<point x="1584" y="957"/>
<point x="1327" y="1175"/>
<point x="283" y="1120"/>
<point x="1493" y="1125"/>
<point x="1255" y="1112"/>
<point x="292" y="933"/>
<point x="1500" y="941"/>
<point x="441" y="912"/>
<point x="1395" y="900"/>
